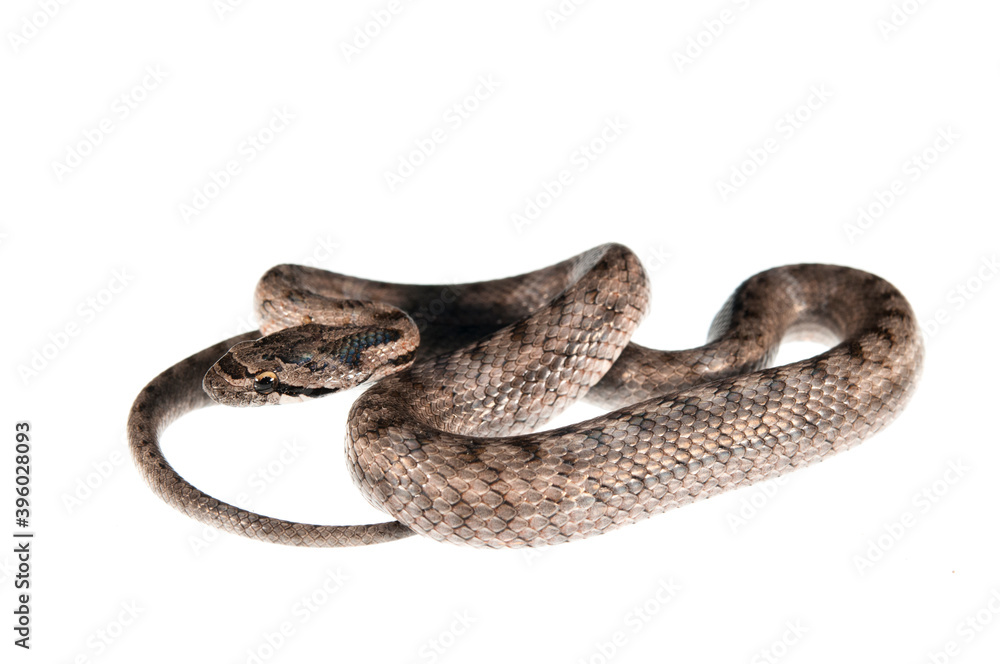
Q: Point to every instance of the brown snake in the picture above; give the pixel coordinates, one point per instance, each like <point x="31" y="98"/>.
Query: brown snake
<point x="444" y="445"/>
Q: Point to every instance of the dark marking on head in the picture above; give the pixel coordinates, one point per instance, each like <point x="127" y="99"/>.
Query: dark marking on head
<point x="292" y="357"/>
<point x="230" y="367"/>
<point x="289" y="391"/>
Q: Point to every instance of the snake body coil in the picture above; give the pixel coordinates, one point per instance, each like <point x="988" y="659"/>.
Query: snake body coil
<point x="444" y="445"/>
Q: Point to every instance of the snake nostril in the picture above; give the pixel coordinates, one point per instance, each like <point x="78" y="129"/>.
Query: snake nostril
<point x="211" y="381"/>
<point x="215" y="384"/>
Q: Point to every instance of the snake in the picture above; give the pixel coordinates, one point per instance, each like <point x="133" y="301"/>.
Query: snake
<point x="448" y="439"/>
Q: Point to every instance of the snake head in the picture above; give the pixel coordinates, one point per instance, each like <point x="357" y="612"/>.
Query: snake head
<point x="308" y="361"/>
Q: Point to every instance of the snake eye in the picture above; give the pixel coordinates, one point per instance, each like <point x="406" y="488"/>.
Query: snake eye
<point x="265" y="382"/>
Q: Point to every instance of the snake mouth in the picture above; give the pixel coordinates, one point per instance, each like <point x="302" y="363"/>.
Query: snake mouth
<point x="305" y="393"/>
<point x="236" y="390"/>
<point x="299" y="396"/>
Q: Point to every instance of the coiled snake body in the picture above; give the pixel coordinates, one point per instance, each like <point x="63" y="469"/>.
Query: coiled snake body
<point x="443" y="443"/>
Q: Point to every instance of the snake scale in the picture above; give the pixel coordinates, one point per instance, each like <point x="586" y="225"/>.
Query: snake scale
<point x="445" y="440"/>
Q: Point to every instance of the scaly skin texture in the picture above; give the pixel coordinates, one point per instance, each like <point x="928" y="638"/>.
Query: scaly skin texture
<point x="178" y="391"/>
<point x="445" y="448"/>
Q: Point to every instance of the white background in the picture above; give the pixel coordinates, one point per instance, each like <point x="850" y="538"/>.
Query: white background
<point x="318" y="193"/>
